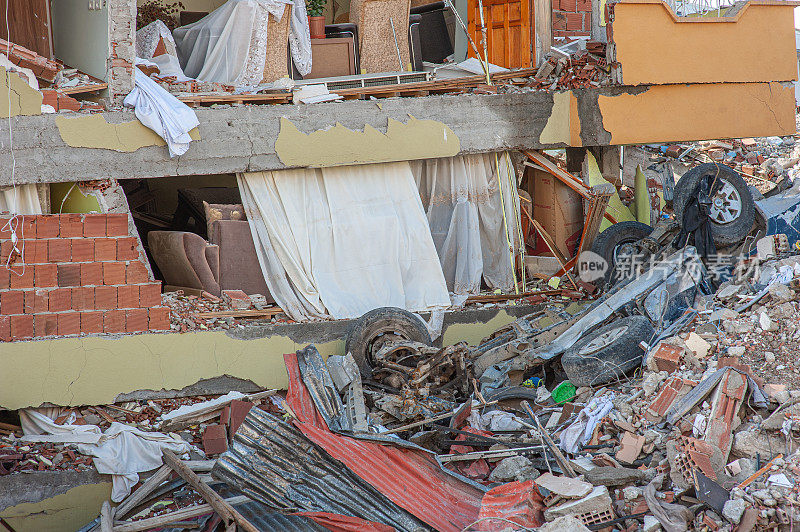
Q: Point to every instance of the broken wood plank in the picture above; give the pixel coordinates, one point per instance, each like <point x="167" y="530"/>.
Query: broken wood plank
<point x="173" y="517"/>
<point x="208" y="412"/>
<point x="476" y="455"/>
<point x="240" y="313"/>
<point x="495" y="298"/>
<point x="758" y="473"/>
<point x="149" y="485"/>
<point x="563" y="463"/>
<point x="106" y="517"/>
<point x="227" y="512"/>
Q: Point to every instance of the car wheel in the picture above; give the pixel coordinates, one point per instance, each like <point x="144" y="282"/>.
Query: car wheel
<point x="610" y="244"/>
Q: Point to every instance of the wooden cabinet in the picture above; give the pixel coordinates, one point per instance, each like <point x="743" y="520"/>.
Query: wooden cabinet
<point x="510" y="33"/>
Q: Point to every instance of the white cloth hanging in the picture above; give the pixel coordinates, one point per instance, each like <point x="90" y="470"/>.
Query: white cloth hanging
<point x="338" y="242"/>
<point x="162" y="112"/>
<point x="462" y="200"/>
<point x="230" y="44"/>
<point x="147" y="40"/>
<point x="20" y="199"/>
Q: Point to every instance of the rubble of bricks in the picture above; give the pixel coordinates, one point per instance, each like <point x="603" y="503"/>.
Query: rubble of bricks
<point x="77" y="274"/>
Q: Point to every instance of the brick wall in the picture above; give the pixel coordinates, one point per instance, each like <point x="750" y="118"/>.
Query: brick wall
<point x="122" y="35"/>
<point x="572" y="18"/>
<point x="82" y="274"/>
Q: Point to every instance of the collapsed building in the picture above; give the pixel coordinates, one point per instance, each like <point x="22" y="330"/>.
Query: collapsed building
<point x="175" y="219"/>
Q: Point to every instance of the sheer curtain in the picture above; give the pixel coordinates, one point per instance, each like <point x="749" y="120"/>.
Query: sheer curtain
<point x="338" y="242"/>
<point x="462" y="200"/>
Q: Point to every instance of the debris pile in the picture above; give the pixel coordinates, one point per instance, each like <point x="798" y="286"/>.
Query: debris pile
<point x="582" y="69"/>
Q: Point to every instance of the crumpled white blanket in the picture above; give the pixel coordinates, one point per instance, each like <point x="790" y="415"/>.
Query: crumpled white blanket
<point x="495" y="420"/>
<point x="580" y="431"/>
<point x="121" y="451"/>
<point x="162" y="112"/>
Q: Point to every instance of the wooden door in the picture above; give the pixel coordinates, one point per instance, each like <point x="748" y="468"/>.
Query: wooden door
<point x="509" y="31"/>
<point x="29" y="23"/>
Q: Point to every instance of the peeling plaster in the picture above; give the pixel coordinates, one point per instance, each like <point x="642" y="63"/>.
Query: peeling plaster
<point x="67" y="511"/>
<point x="338" y="145"/>
<point x="93" y="131"/>
<point x="23" y="99"/>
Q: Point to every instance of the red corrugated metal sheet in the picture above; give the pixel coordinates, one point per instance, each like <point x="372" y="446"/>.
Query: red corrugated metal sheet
<point x="517" y="502"/>
<point x="343" y="523"/>
<point x="411" y="479"/>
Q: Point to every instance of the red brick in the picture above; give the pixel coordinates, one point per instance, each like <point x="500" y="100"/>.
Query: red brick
<point x="105" y="249"/>
<point x="137" y="273"/>
<point x="47" y="226"/>
<point x="27" y="227"/>
<point x="574" y="21"/>
<point x="215" y="439"/>
<point x="59" y="250"/>
<point x="127" y="248"/>
<point x="36" y="251"/>
<point x="82" y="298"/>
<point x="11" y="302"/>
<point x="568" y="5"/>
<point x="83" y="250"/>
<point x="94" y="225"/>
<point x="45" y="275"/>
<point x="5" y="228"/>
<point x="45" y="324"/>
<point x="21" y="327"/>
<point x="69" y="323"/>
<point x="6" y="250"/>
<point x="239" y="410"/>
<point x="36" y="301"/>
<point x="559" y="21"/>
<point x="91" y="273"/>
<point x="114" y="321"/>
<point x="71" y="225"/>
<point x="105" y="297"/>
<point x="585" y="6"/>
<point x="136" y="320"/>
<point x="113" y="273"/>
<point x="5" y="278"/>
<point x="667" y="357"/>
<point x="91" y="322"/>
<point x="5" y="329"/>
<point x="60" y="300"/>
<point x="150" y="295"/>
<point x="117" y="224"/>
<point x="69" y="275"/>
<point x="128" y="296"/>
<point x="22" y="277"/>
<point x="159" y="319"/>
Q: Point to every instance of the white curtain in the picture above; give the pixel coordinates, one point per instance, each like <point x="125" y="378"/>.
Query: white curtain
<point x="230" y="44"/>
<point x="461" y="196"/>
<point x="342" y="241"/>
<point x="20" y="199"/>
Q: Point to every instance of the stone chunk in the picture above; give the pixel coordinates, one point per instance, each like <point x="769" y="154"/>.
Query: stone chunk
<point x="569" y="488"/>
<point x="613" y="476"/>
<point x="733" y="510"/>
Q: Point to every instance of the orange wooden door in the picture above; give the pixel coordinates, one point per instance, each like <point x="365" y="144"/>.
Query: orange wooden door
<point x="509" y="31"/>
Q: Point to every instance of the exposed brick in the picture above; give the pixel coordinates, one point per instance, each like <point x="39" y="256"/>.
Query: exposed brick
<point x="105" y="297"/>
<point x="94" y="225"/>
<point x="136" y="320"/>
<point x="574" y="21"/>
<point x="215" y="439"/>
<point x="35" y="251"/>
<point x="69" y="275"/>
<point x="45" y="324"/>
<point x="83" y="250"/>
<point x="105" y="249"/>
<point x="82" y="298"/>
<point x="128" y="296"/>
<point x="113" y="273"/>
<point x="27" y="227"/>
<point x="45" y="275"/>
<point x="91" y="273"/>
<point x="5" y="329"/>
<point x="47" y="226"/>
<point x="36" y="301"/>
<point x="137" y="273"/>
<point x="69" y="323"/>
<point x="584" y="5"/>
<point x="71" y="225"/>
<point x="22" y="277"/>
<point x="21" y="327"/>
<point x="559" y="21"/>
<point x="59" y="250"/>
<point x="127" y="248"/>
<point x="11" y="302"/>
<point x="117" y="224"/>
<point x="150" y="295"/>
<point x="568" y="5"/>
<point x="5" y="229"/>
<point x="159" y="318"/>
<point x="91" y="322"/>
<point x="114" y="321"/>
<point x="5" y="278"/>
<point x="59" y="300"/>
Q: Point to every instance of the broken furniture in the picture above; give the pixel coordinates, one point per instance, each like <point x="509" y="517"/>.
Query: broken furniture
<point x="190" y="207"/>
<point x="435" y="37"/>
<point x="383" y="34"/>
<point x="332" y="57"/>
<point x="275" y="63"/>
<point x="227" y="261"/>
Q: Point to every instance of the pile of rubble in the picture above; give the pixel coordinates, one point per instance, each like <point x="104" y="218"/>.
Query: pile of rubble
<point x="205" y="311"/>
<point x="583" y="68"/>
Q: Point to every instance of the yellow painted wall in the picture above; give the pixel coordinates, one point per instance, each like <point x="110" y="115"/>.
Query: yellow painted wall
<point x="655" y="46"/>
<point x="666" y="113"/>
<point x="67" y="511"/>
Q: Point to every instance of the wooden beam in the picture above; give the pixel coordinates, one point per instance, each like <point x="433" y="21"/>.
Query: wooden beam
<point x="149" y="485"/>
<point x="172" y="517"/>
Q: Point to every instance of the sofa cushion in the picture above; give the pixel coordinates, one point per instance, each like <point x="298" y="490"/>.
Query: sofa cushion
<point x="184" y="259"/>
<point x="239" y="268"/>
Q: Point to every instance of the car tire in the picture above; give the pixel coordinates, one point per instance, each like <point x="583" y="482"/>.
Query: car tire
<point x="379" y="325"/>
<point x="724" y="233"/>
<point x="609" y="241"/>
<point x="608" y="353"/>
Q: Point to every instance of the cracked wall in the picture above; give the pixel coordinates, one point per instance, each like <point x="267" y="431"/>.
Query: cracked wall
<point x="94" y="131"/>
<point x="17" y="98"/>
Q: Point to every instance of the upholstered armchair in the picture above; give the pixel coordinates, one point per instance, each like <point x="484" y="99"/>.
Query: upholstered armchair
<point x="378" y="40"/>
